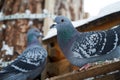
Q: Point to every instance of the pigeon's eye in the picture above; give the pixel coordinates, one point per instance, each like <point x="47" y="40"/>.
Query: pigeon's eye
<point x="62" y="20"/>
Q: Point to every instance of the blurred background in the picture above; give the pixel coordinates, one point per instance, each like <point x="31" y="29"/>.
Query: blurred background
<point x="16" y="17"/>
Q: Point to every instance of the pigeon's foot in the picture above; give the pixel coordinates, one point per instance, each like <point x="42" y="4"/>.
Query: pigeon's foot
<point x="85" y="67"/>
<point x="78" y="69"/>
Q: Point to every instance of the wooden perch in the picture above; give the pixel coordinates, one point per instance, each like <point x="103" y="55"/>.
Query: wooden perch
<point x="92" y="72"/>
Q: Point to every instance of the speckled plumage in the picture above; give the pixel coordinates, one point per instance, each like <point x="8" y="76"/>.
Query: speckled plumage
<point x="30" y="63"/>
<point x="81" y="48"/>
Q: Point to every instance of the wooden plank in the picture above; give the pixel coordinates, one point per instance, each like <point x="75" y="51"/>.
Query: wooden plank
<point x="89" y="73"/>
<point x="102" y="23"/>
<point x="114" y="76"/>
<point x="49" y="7"/>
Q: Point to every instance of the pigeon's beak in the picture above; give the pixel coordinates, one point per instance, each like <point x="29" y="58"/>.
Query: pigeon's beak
<point x="53" y="26"/>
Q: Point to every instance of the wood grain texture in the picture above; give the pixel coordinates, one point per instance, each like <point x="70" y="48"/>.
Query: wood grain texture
<point x="100" y="70"/>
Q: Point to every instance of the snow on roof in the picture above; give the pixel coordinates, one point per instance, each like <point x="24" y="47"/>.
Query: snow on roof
<point x="115" y="7"/>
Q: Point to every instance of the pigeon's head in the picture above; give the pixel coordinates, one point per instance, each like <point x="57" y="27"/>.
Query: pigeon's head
<point x="60" y="22"/>
<point x="34" y="32"/>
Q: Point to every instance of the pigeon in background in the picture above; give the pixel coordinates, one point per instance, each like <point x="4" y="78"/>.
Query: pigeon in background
<point x="81" y="48"/>
<point x="30" y="63"/>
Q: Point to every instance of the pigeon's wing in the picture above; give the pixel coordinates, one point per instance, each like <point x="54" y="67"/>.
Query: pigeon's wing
<point x="29" y="60"/>
<point x="90" y="44"/>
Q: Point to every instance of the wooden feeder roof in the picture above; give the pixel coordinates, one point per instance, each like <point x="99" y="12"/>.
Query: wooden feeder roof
<point x="108" y="17"/>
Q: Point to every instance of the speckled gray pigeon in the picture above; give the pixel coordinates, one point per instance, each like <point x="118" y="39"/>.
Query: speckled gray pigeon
<point x="81" y="48"/>
<point x="30" y="63"/>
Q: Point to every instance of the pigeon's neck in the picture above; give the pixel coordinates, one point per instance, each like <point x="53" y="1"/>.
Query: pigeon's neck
<point x="32" y="40"/>
<point x="65" y="35"/>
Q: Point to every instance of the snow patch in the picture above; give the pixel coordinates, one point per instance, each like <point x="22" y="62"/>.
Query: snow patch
<point x="4" y="63"/>
<point x="8" y="49"/>
<point x="52" y="32"/>
<point x="3" y="26"/>
<point x="30" y="23"/>
<point x="1" y="14"/>
<point x="28" y="11"/>
<point x="110" y="8"/>
<point x="45" y="11"/>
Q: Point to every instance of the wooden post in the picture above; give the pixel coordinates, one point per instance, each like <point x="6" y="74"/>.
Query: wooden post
<point x="49" y="7"/>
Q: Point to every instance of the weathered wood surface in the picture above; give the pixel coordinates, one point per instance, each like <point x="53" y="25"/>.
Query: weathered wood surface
<point x="114" y="76"/>
<point x="103" y="23"/>
<point x="92" y="72"/>
<point x="49" y="8"/>
<point x="58" y="68"/>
